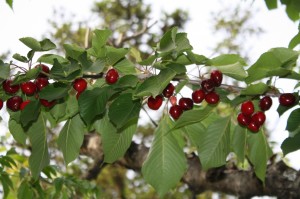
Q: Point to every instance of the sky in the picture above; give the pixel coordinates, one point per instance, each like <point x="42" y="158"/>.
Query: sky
<point x="29" y="18"/>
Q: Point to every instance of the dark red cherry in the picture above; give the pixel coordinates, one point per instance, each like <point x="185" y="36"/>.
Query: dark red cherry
<point x="265" y="103"/>
<point x="208" y="85"/>
<point x="1" y="104"/>
<point x="258" y="118"/>
<point x="186" y="103"/>
<point x="41" y="82"/>
<point x="247" y="108"/>
<point x="112" y="76"/>
<point x="44" y="68"/>
<point x="169" y="90"/>
<point x="252" y="126"/>
<point x="155" y="103"/>
<point x="198" y="96"/>
<point x="8" y="88"/>
<point x="173" y="100"/>
<point x="243" y="120"/>
<point x="287" y="99"/>
<point x="212" y="98"/>
<point x="24" y="104"/>
<point x="47" y="103"/>
<point x="217" y="77"/>
<point x="79" y="85"/>
<point x="14" y="103"/>
<point x="175" y="111"/>
<point x="28" y="88"/>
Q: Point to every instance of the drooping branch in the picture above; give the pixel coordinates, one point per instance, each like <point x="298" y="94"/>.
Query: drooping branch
<point x="281" y="181"/>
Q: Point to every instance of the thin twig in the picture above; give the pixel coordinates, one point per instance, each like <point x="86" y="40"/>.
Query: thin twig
<point x="153" y="122"/>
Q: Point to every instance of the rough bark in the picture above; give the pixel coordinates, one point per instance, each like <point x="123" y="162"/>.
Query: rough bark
<point x="281" y="181"/>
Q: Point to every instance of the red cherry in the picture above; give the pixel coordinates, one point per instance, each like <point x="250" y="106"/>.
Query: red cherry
<point x="41" y="82"/>
<point x="45" y="69"/>
<point x="287" y="99"/>
<point x="1" y="104"/>
<point x="8" y="88"/>
<point x="46" y="103"/>
<point x="173" y="100"/>
<point x="212" y="98"/>
<point x="155" y="103"/>
<point x="28" y="88"/>
<point x="112" y="76"/>
<point x="247" y="108"/>
<point x="186" y="103"/>
<point x="208" y="85"/>
<point x="80" y="85"/>
<point x="169" y="90"/>
<point x="265" y="103"/>
<point x="175" y="111"/>
<point x="217" y="77"/>
<point x="78" y="95"/>
<point x="258" y="118"/>
<point x="198" y="96"/>
<point x="24" y="104"/>
<point x="14" y="103"/>
<point x="253" y="127"/>
<point x="243" y="120"/>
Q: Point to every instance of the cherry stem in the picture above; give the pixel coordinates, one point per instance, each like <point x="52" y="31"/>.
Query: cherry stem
<point x="153" y="122"/>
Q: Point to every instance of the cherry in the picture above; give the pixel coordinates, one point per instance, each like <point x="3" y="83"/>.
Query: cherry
<point x="79" y="85"/>
<point x="14" y="103"/>
<point x="212" y="98"/>
<point x="47" y="103"/>
<point x="258" y="118"/>
<point x="287" y="99"/>
<point x="44" y="68"/>
<point x="208" y="85"/>
<point x="198" y="96"/>
<point x="247" y="108"/>
<point x="253" y="127"/>
<point x="169" y="90"/>
<point x="243" y="120"/>
<point x="173" y="100"/>
<point x="175" y="111"/>
<point x="28" y="88"/>
<point x="41" y="82"/>
<point x="1" y="104"/>
<point x="186" y="103"/>
<point x="24" y="104"/>
<point x="265" y="103"/>
<point x="217" y="77"/>
<point x="155" y="103"/>
<point x="8" y="88"/>
<point x="78" y="95"/>
<point x="112" y="76"/>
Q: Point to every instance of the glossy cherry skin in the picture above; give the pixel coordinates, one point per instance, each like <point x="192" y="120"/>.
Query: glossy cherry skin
<point x="46" y="103"/>
<point x="217" y="77"/>
<point x="169" y="90"/>
<point x="8" y="88"/>
<point x="44" y="68"/>
<point x="287" y="99"/>
<point x="14" y="103"/>
<point x="41" y="82"/>
<point x="28" y="88"/>
<point x="186" y="103"/>
<point x="212" y="98"/>
<point x="112" y="76"/>
<point x="175" y="111"/>
<point x="243" y="120"/>
<point x="265" y="103"/>
<point x="1" y="104"/>
<point x="155" y="103"/>
<point x="173" y="100"/>
<point x="258" y="118"/>
<point x="198" y="96"/>
<point x="79" y="85"/>
<point x="24" y="104"/>
<point x="208" y="85"/>
<point x="253" y="127"/>
<point x="247" y="108"/>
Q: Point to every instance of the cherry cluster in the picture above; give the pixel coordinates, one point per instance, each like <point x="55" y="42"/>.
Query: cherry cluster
<point x="206" y="92"/>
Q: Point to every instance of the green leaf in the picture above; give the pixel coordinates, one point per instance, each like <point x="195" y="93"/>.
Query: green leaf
<point x="30" y="113"/>
<point x="167" y="42"/>
<point x="70" y="138"/>
<point x="73" y="51"/>
<point x="259" y="153"/>
<point x="65" y="71"/>
<point x="255" y="89"/>
<point x="92" y="103"/>
<point x="195" y="132"/>
<point x="29" y="75"/>
<point x="178" y="68"/>
<point x="46" y="45"/>
<point x="182" y="43"/>
<point x="31" y="43"/>
<point x="49" y="59"/>
<point x="54" y="91"/>
<point x="100" y="38"/>
<point x="20" y="58"/>
<point x="17" y="131"/>
<point x="166" y="161"/>
<point x="156" y="84"/>
<point x="291" y="144"/>
<point x="123" y="110"/>
<point x="10" y="3"/>
<point x="39" y="157"/>
<point x="239" y="142"/>
<point x="271" y="4"/>
<point x="125" y="67"/>
<point x="293" y="121"/>
<point x="6" y="183"/>
<point x="295" y="41"/>
<point x="127" y="81"/>
<point x="113" y="55"/>
<point x="25" y="190"/>
<point x="192" y="116"/>
<point x="4" y="70"/>
<point x="98" y="66"/>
